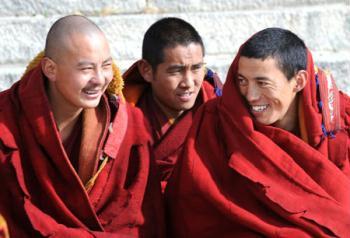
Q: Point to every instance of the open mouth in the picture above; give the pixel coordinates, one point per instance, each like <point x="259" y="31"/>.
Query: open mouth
<point x="258" y="108"/>
<point x="92" y="92"/>
<point x="185" y="96"/>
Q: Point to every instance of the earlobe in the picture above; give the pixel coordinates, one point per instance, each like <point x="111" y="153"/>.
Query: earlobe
<point x="301" y="80"/>
<point x="49" y="68"/>
<point x="145" y="70"/>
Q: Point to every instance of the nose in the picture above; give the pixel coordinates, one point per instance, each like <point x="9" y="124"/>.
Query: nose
<point x="99" y="77"/>
<point x="188" y="79"/>
<point x="252" y="93"/>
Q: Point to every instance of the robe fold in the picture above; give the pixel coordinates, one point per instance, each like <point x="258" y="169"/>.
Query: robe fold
<point x="113" y="193"/>
<point x="168" y="134"/>
<point x="237" y="178"/>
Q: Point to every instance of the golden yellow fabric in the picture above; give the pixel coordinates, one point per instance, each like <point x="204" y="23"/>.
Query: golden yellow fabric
<point x="4" y="233"/>
<point x="91" y="182"/>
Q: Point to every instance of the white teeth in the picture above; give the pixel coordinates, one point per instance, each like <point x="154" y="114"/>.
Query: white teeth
<point x="258" y="108"/>
<point x="185" y="94"/>
<point x="90" y="92"/>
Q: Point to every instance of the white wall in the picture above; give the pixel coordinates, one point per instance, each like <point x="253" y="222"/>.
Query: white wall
<point x="223" y="24"/>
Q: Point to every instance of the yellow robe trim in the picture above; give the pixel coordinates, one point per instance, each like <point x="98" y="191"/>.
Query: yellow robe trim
<point x="91" y="182"/>
<point x="114" y="87"/>
<point x="4" y="233"/>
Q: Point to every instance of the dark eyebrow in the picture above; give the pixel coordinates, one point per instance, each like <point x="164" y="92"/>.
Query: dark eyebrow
<point x="257" y="78"/>
<point x="175" y="67"/>
<point x="197" y="65"/>
<point x="261" y="78"/>
<point x="182" y="67"/>
<point x="240" y="75"/>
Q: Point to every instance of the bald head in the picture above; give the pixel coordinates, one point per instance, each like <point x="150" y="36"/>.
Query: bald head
<point x="64" y="29"/>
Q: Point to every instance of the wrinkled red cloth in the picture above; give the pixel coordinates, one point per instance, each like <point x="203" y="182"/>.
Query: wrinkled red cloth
<point x="236" y="178"/>
<point x="42" y="195"/>
<point x="168" y="136"/>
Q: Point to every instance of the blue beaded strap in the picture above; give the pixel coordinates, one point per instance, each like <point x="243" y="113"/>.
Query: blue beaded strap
<point x="210" y="76"/>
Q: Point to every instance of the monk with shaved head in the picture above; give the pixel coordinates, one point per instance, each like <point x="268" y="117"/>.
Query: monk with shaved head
<point x="74" y="157"/>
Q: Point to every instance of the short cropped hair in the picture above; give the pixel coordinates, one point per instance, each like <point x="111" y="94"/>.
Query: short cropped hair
<point x="167" y="33"/>
<point x="283" y="45"/>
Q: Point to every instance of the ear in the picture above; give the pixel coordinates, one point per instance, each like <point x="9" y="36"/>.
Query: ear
<point x="48" y="66"/>
<point x="145" y="70"/>
<point x="301" y="80"/>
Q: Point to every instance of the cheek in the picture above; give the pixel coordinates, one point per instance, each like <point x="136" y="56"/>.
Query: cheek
<point x="108" y="74"/>
<point x="162" y="89"/>
<point x="109" y="79"/>
<point x="169" y="84"/>
<point x="285" y="97"/>
<point x="242" y="90"/>
<point x="198" y="82"/>
<point x="200" y="77"/>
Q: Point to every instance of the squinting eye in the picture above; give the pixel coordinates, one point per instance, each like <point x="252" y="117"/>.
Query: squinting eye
<point x="175" y="72"/>
<point x="262" y="83"/>
<point x="242" y="81"/>
<point x="196" y="67"/>
<point x="86" y="68"/>
<point x="107" y="65"/>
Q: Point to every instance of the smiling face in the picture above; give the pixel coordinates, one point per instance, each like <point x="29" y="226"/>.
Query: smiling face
<point x="81" y="73"/>
<point x="177" y="80"/>
<point x="270" y="96"/>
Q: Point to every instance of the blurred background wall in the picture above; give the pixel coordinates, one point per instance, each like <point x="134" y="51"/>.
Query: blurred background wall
<point x="223" y="24"/>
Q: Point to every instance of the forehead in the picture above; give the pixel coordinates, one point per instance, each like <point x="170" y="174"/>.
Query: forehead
<point x="253" y="68"/>
<point x="179" y="53"/>
<point x="87" y="45"/>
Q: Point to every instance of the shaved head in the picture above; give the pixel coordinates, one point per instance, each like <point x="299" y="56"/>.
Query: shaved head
<point x="77" y="65"/>
<point x="58" y="38"/>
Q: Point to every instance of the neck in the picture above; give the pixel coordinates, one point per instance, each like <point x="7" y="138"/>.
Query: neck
<point x="65" y="114"/>
<point x="65" y="122"/>
<point x="172" y="115"/>
<point x="291" y="121"/>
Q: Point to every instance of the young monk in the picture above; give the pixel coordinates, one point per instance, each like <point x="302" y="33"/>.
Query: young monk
<point x="75" y="160"/>
<point x="168" y="84"/>
<point x="270" y="158"/>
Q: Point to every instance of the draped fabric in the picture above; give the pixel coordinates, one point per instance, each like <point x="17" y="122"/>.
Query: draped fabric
<point x="237" y="178"/>
<point x="168" y="134"/>
<point x="43" y="195"/>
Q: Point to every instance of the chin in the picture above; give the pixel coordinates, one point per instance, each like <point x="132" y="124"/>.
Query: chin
<point x="264" y="122"/>
<point x="184" y="108"/>
<point x="91" y="104"/>
<point x="188" y="106"/>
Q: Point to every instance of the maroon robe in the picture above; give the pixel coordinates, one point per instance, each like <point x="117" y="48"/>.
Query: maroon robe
<point x="43" y="195"/>
<point x="238" y="178"/>
<point x="168" y="135"/>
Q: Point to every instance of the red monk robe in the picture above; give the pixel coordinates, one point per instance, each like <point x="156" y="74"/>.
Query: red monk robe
<point x="239" y="179"/>
<point x="168" y="134"/>
<point x="42" y="195"/>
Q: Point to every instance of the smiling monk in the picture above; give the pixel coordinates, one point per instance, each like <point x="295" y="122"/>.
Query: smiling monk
<point x="270" y="158"/>
<point x="168" y="84"/>
<point x="75" y="159"/>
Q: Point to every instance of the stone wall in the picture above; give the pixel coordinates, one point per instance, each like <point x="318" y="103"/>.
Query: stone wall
<point x="223" y="24"/>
